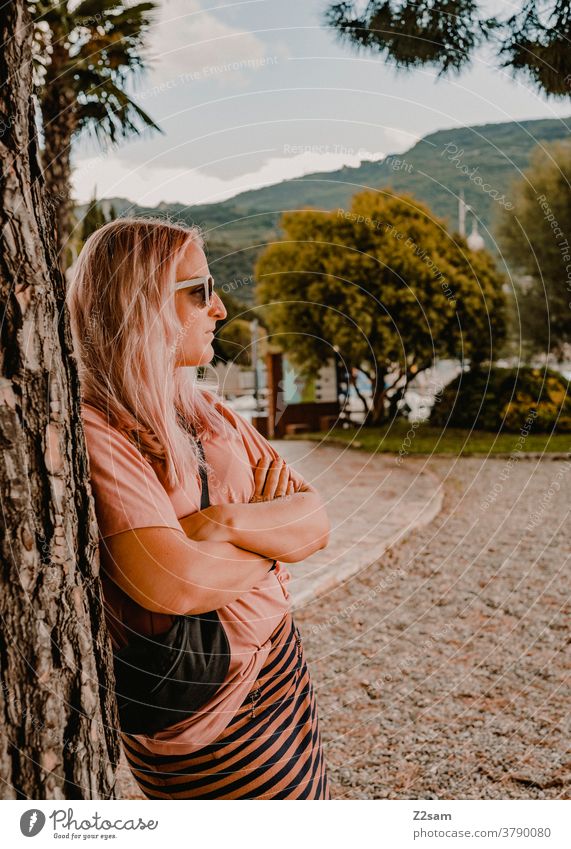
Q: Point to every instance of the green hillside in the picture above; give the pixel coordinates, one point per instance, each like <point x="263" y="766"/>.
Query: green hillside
<point x="499" y="151"/>
<point x="434" y="170"/>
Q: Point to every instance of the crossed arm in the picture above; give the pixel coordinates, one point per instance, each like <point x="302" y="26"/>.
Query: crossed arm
<point x="281" y="521"/>
<point x="221" y="552"/>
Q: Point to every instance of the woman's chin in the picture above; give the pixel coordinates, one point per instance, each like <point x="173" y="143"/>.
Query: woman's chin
<point x="197" y="358"/>
<point x="194" y="362"/>
<point x="208" y="355"/>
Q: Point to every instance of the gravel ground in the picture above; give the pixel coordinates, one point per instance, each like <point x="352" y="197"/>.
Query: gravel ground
<point x="443" y="671"/>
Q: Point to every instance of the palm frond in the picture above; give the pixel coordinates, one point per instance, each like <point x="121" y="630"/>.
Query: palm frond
<point x="109" y="114"/>
<point x="95" y="9"/>
<point x="53" y="13"/>
<point x="105" y="42"/>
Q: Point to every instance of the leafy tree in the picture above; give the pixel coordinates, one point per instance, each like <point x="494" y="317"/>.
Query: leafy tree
<point x="532" y="42"/>
<point x="93" y="219"/>
<point x="383" y="284"/>
<point x="536" y="238"/>
<point x="84" y="56"/>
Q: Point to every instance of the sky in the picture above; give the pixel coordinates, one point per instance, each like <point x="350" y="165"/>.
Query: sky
<point x="253" y="92"/>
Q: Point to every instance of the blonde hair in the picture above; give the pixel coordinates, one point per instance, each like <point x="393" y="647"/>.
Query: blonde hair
<point x="125" y="330"/>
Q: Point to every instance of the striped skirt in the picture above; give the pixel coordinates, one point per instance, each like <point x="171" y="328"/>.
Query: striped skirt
<point x="271" y="749"/>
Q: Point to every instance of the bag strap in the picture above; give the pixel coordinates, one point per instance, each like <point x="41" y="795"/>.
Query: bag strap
<point x="204" y="494"/>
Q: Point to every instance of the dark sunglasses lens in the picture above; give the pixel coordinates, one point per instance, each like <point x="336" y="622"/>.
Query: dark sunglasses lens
<point x="204" y="292"/>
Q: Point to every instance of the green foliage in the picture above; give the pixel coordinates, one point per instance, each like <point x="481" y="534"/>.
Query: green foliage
<point x="238" y="229"/>
<point x="93" y="220"/>
<point x="91" y="49"/>
<point x="384" y="283"/>
<point x="536" y="44"/>
<point x="441" y="34"/>
<point x="444" y="34"/>
<point x="503" y="399"/>
<point x="535" y="237"/>
<point x="427" y="439"/>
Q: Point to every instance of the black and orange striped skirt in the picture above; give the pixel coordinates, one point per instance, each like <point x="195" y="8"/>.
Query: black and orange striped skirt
<point x="271" y="749"/>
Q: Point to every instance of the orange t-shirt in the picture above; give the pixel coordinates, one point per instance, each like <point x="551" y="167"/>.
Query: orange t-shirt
<point x="128" y="494"/>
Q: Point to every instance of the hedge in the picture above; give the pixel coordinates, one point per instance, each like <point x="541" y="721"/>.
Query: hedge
<point x="506" y="399"/>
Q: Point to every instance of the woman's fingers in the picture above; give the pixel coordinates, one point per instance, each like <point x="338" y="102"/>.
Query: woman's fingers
<point x="271" y="480"/>
<point x="260" y="473"/>
<point x="275" y="472"/>
<point x="283" y="481"/>
<point x="290" y="488"/>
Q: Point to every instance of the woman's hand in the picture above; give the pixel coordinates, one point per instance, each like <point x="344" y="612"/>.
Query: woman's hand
<point x="271" y="480"/>
<point x="289" y="527"/>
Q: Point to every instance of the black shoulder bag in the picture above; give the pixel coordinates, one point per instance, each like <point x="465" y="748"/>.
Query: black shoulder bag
<point x="163" y="678"/>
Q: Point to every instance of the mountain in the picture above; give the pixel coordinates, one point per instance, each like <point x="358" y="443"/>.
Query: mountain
<point x="431" y="170"/>
<point x="480" y="160"/>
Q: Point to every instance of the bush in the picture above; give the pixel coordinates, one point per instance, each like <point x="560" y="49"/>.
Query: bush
<point x="502" y="399"/>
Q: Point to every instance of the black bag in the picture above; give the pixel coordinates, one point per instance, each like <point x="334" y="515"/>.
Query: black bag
<point x="163" y="678"/>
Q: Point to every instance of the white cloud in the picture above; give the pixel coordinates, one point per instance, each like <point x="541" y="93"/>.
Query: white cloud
<point x="149" y="186"/>
<point x="187" y="41"/>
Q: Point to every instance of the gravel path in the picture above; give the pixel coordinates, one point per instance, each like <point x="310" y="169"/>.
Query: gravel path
<point x="443" y="671"/>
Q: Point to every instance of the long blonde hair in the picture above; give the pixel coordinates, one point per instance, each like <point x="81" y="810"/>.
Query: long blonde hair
<point x="125" y="326"/>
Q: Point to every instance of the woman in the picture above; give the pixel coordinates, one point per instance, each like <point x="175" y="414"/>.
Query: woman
<point x="143" y="309"/>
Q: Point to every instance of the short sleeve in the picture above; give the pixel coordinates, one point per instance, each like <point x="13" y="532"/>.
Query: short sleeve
<point x="127" y="492"/>
<point x="258" y="446"/>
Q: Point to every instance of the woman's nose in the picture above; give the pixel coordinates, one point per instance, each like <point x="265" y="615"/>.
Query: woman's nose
<point x="217" y="308"/>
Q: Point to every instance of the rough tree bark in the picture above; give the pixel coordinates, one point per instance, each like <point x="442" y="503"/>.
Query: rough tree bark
<point x="58" y="737"/>
<point x="58" y="106"/>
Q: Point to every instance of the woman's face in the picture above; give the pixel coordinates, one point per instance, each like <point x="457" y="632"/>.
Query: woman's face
<point x="194" y="339"/>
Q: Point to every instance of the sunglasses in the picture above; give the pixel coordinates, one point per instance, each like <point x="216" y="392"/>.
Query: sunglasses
<point x="202" y="286"/>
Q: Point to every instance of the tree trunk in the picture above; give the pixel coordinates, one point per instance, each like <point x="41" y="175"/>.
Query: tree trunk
<point x="377" y="414"/>
<point x="58" y="738"/>
<point x="59" y="122"/>
<point x="397" y="395"/>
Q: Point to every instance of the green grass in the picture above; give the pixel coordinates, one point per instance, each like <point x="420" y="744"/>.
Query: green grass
<point x="425" y="439"/>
